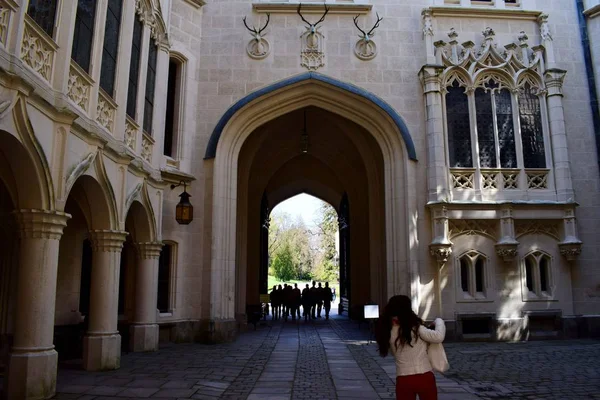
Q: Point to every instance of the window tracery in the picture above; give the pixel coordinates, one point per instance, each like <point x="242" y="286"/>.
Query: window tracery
<point x="472" y="276"/>
<point x="537" y="276"/>
<point x="494" y="113"/>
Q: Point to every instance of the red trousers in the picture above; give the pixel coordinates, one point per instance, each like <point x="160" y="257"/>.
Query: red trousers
<point x="409" y="386"/>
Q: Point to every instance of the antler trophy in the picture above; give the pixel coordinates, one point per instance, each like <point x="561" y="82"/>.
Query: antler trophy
<point x="312" y="40"/>
<point x="365" y="48"/>
<point x="258" y="47"/>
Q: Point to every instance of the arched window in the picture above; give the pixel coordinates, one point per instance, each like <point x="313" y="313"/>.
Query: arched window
<point x="532" y="135"/>
<point x="537" y="276"/>
<point x="110" y="46"/>
<point x="459" y="127"/>
<point x="175" y="91"/>
<point x="473" y="276"/>
<point x="43" y="12"/>
<point x="84" y="33"/>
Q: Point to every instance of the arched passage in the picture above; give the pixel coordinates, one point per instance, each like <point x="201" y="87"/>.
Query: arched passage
<point x="364" y="126"/>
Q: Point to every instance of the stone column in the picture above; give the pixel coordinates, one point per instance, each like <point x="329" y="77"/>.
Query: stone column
<point x="437" y="171"/>
<point x="33" y="360"/>
<point x="102" y="343"/>
<point x="506" y="248"/>
<point x="562" y="167"/>
<point x="144" y="330"/>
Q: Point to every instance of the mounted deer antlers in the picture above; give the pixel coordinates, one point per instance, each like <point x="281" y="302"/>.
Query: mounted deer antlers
<point x="258" y="47"/>
<point x="256" y="32"/>
<point x="365" y="48"/>
<point x="367" y="35"/>
<point x="312" y="27"/>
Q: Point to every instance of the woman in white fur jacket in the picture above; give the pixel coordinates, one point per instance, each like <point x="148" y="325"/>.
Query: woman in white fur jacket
<point x="401" y="332"/>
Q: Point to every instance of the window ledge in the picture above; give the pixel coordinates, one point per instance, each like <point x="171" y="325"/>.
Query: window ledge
<point x="196" y="3"/>
<point x="592" y="12"/>
<point x="174" y="176"/>
<point x="335" y="7"/>
<point x="478" y="12"/>
<point x="165" y="315"/>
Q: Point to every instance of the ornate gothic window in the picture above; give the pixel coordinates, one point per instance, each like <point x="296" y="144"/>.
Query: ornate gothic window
<point x="43" y="12"/>
<point x="111" y="46"/>
<point x="537" y="276"/>
<point x="150" y="83"/>
<point x="494" y="115"/>
<point x="134" y="67"/>
<point x="84" y="33"/>
<point x="472" y="274"/>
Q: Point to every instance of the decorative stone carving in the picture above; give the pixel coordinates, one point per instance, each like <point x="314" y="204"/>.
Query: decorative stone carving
<point x="131" y="196"/>
<point x="37" y="49"/>
<point x="507" y="251"/>
<point x="554" y="79"/>
<point x="441" y="252"/>
<point x="131" y="131"/>
<point x="312" y="54"/>
<point x="489" y="180"/>
<point x="147" y="144"/>
<point x="78" y="87"/>
<point x="462" y="179"/>
<point x="80" y="168"/>
<point x="485" y="227"/>
<point x="537" y="227"/>
<point x="4" y="20"/>
<point x="570" y="250"/>
<point x="41" y="224"/>
<point x="427" y="22"/>
<point x="544" y="27"/>
<point x="537" y="179"/>
<point x="259" y="47"/>
<point x="511" y="180"/>
<point x="107" y="241"/>
<point x="365" y="48"/>
<point x="105" y="113"/>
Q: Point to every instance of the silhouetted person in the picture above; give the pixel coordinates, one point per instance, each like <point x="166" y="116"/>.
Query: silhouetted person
<point x="297" y="301"/>
<point x="284" y="301"/>
<point x="273" y="298"/>
<point x="279" y="299"/>
<point x="327" y="298"/>
<point x="320" y="296"/>
<point x="306" y="302"/>
<point x="314" y="298"/>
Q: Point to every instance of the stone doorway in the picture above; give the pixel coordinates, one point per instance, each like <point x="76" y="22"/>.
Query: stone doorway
<point x="315" y="135"/>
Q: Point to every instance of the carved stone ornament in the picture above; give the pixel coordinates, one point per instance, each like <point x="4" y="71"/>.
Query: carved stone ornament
<point x="37" y="50"/>
<point x="312" y="54"/>
<point x="4" y="20"/>
<point x="365" y="48"/>
<point x="105" y="113"/>
<point x="259" y="47"/>
<point x="507" y="251"/>
<point x="441" y="252"/>
<point x="570" y="251"/>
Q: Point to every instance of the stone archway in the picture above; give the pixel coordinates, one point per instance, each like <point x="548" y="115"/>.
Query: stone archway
<point x="352" y="106"/>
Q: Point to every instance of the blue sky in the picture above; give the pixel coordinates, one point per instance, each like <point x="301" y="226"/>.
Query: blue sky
<point x="302" y="205"/>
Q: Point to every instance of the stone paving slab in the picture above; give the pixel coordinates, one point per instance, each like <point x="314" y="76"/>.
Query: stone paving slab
<point x="333" y="360"/>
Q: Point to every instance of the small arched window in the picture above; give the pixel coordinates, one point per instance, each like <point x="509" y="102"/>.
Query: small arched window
<point x="537" y="276"/>
<point x="473" y="275"/>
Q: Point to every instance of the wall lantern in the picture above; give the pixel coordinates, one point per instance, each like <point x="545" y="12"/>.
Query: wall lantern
<point x="184" y="212"/>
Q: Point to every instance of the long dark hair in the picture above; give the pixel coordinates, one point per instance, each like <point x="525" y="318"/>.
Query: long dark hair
<point x="398" y="307"/>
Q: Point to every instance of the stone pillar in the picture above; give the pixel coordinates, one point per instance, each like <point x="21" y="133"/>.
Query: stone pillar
<point x="102" y="343"/>
<point x="33" y="360"/>
<point x="570" y="247"/>
<point x="562" y="168"/>
<point x="144" y="330"/>
<point x="506" y="248"/>
<point x="437" y="171"/>
<point x="441" y="246"/>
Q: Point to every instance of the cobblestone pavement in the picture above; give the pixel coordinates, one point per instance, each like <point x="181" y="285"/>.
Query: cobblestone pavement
<point x="333" y="360"/>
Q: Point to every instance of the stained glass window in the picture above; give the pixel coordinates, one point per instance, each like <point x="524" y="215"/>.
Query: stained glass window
<point x="150" y="82"/>
<point x="532" y="135"/>
<point x="43" y="12"/>
<point x="84" y="32"/>
<point x="459" y="127"/>
<point x="134" y="68"/>
<point x="506" y="129"/>
<point x="485" y="128"/>
<point x="111" y="46"/>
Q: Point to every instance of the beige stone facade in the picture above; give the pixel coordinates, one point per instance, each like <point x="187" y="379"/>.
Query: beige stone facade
<point x="502" y="243"/>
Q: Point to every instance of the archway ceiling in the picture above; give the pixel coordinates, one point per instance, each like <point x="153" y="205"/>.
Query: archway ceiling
<point x="333" y="164"/>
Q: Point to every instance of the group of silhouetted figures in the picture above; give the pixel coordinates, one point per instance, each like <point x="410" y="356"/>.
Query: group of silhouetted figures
<point x="286" y="301"/>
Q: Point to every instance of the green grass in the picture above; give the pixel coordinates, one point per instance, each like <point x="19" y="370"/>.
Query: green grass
<point x="301" y="284"/>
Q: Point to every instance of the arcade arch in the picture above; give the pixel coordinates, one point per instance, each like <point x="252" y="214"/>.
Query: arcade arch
<point x="363" y="148"/>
